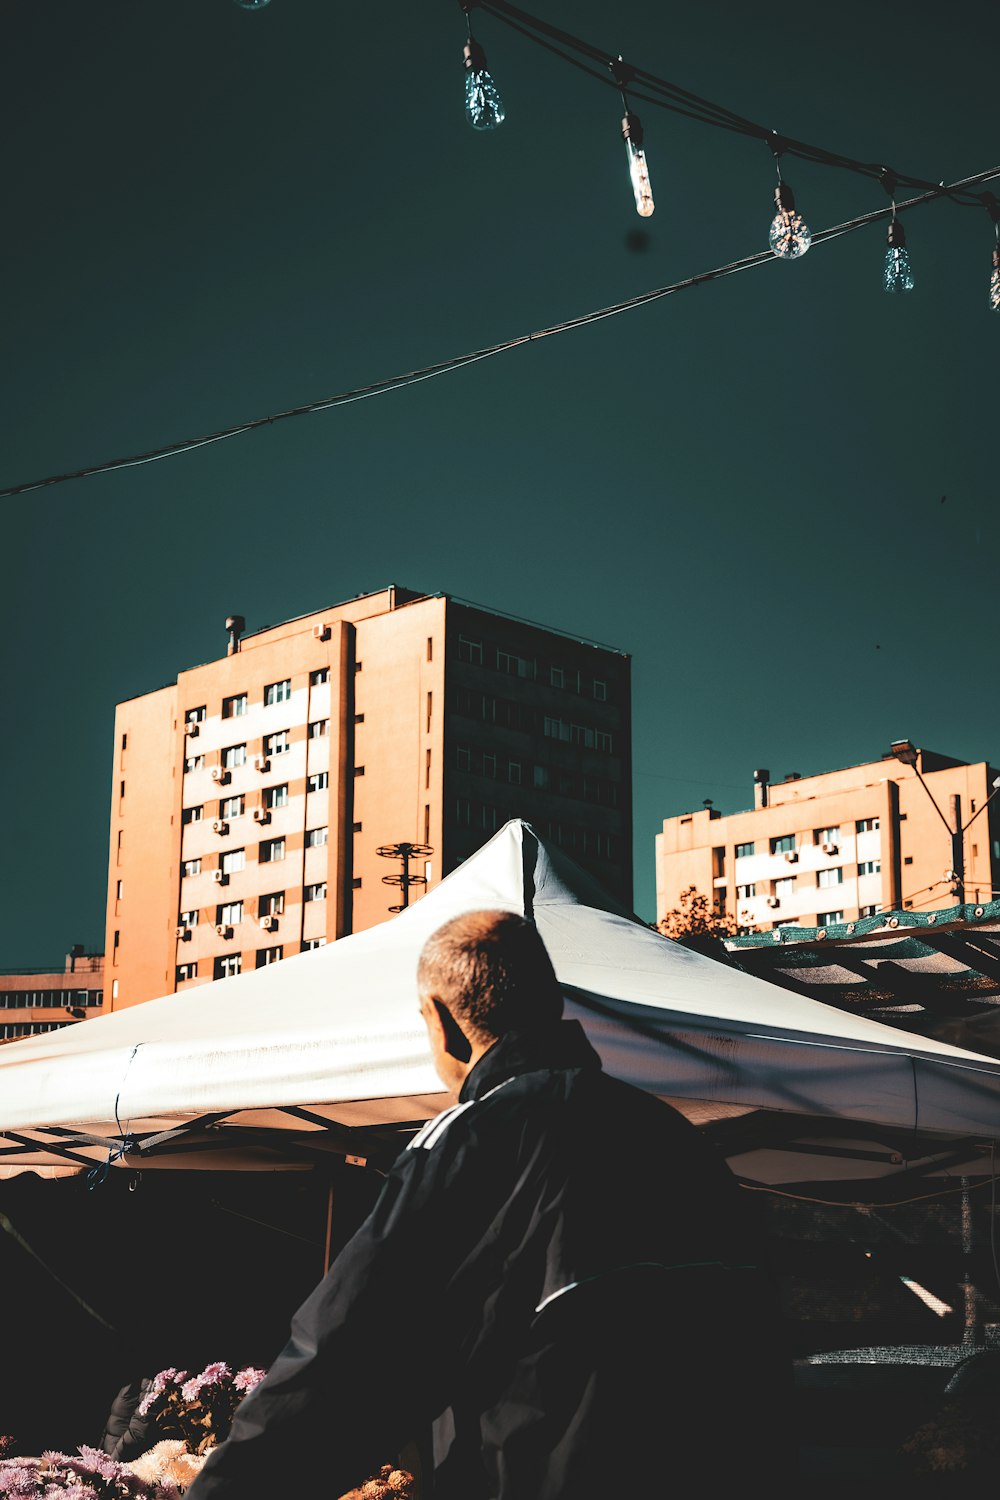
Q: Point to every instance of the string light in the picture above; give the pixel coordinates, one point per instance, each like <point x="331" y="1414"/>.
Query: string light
<point x="898" y="274"/>
<point x="993" y="209"/>
<point x="483" y="106"/>
<point x="638" y="171"/>
<point x="790" y="235"/>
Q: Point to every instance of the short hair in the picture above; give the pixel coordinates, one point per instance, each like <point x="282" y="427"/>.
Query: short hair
<point x="493" y="972"/>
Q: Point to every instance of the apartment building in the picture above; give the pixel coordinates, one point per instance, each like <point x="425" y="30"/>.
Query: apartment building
<point x="909" y="830"/>
<point x="252" y="797"/>
<point x="37" y="1000"/>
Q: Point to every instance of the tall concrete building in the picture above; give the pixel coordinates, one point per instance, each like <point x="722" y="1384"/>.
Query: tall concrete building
<point x="251" y="798"/>
<point x="909" y="830"/>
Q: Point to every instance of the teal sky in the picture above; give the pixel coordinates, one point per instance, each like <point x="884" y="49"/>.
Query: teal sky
<point x="778" y="492"/>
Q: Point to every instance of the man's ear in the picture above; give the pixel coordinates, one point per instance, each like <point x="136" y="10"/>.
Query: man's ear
<point x="456" y="1043"/>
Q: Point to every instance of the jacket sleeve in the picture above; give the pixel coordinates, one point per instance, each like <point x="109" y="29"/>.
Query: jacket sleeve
<point x="365" y="1363"/>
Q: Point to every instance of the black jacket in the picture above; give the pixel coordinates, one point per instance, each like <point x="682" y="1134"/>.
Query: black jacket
<point x="558" y="1275"/>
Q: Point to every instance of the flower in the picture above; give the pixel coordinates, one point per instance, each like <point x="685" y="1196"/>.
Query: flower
<point x="199" y="1409"/>
<point x="88" y="1474"/>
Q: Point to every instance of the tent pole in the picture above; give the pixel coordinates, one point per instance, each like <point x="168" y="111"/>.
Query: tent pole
<point x="329" y="1227"/>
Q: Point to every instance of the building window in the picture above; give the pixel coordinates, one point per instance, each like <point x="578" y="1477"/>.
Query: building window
<point x="233" y="756"/>
<point x="192" y="815"/>
<point x="557" y="678"/>
<point x="185" y="972"/>
<point x="867" y="911"/>
<point x="193" y="716"/>
<point x="232" y="807"/>
<point x="463" y="812"/>
<point x="193" y="763"/>
<point x="827" y="835"/>
<point x="267" y="956"/>
<point x="783" y="845"/>
<point x="316" y="837"/>
<point x="540" y="777"/>
<point x="234" y="707"/>
<point x="271" y="905"/>
<point x="745" y="892"/>
<point x="278" y="692"/>
<point x="319" y="781"/>
<point x="271" y="850"/>
<point x="602" y="741"/>
<point x="277" y="743"/>
<point x="600" y="690"/>
<point x="276" y="796"/>
<point x="427" y="833"/>
<point x="463" y="758"/>
<point x="311" y="943"/>
<point x="315" y="892"/>
<point x="827" y="878"/>
<point x="190" y="867"/>
<point x="188" y="919"/>
<point x="827" y="918"/>
<point x="785" y="887"/>
<point x="514" y="772"/>
<point x="870" y="867"/>
<point x="227" y="967"/>
<point x="230" y="914"/>
<point x="321" y="675"/>
<point x="318" y="728"/>
<point x="233" y="861"/>
<point x="866" y="825"/>
<point x="744" y="851"/>
<point x="470" y="651"/>
<point x="489" y="765"/>
<point x="427" y="768"/>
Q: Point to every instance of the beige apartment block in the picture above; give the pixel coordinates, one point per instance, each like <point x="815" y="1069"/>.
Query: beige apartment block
<point x="251" y="798"/>
<point x="37" y="1000"/>
<point x="816" y="850"/>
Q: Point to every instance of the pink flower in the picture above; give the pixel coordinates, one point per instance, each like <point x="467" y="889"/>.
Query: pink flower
<point x="245" y="1380"/>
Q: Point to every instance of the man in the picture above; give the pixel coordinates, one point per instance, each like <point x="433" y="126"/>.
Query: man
<point x="558" y="1277"/>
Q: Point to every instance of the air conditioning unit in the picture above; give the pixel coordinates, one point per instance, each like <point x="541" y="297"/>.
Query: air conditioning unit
<point x="183" y="933"/>
<point x="261" y="815"/>
<point x="261" y="762"/>
<point x="321" y="632"/>
<point x="829" y="848"/>
<point x="220" y="877"/>
<point x="269" y="924"/>
<point x="220" y="774"/>
<point x="219" y="825"/>
<point x="791" y="855"/>
<point x="223" y="930"/>
<point x="192" y="731"/>
<point x="773" y="901"/>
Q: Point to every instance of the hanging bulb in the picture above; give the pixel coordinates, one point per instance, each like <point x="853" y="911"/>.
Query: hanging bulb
<point x="898" y="275"/>
<point x="483" y="105"/>
<point x="790" y="235"/>
<point x="252" y="4"/>
<point x="637" y="168"/>
<point x="995" y="280"/>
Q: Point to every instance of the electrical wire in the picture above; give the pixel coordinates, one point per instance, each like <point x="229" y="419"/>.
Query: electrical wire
<point x="759" y="1187"/>
<point x="460" y="361"/>
<point x="668" y="95"/>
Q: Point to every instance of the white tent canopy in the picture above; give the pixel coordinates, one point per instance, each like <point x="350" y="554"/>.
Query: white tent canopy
<point x="264" y="1061"/>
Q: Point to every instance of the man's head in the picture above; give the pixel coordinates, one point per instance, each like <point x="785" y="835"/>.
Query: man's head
<point x="480" y="976"/>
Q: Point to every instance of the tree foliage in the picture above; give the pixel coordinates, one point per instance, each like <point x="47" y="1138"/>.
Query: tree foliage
<point x="697" y="918"/>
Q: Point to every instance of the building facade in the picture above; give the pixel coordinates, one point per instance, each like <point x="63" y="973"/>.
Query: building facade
<point x="37" y="1000"/>
<point x="251" y="798"/>
<point x="842" y="845"/>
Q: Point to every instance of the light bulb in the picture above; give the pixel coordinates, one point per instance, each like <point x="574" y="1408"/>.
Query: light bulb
<point x="995" y="281"/>
<point x="252" y="4"/>
<point x="483" y="105"/>
<point x="637" y="168"/>
<point x="898" y="275"/>
<point x="790" y="235"/>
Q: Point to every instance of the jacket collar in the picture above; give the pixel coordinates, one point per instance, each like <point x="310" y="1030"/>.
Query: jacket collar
<point x="563" y="1045"/>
